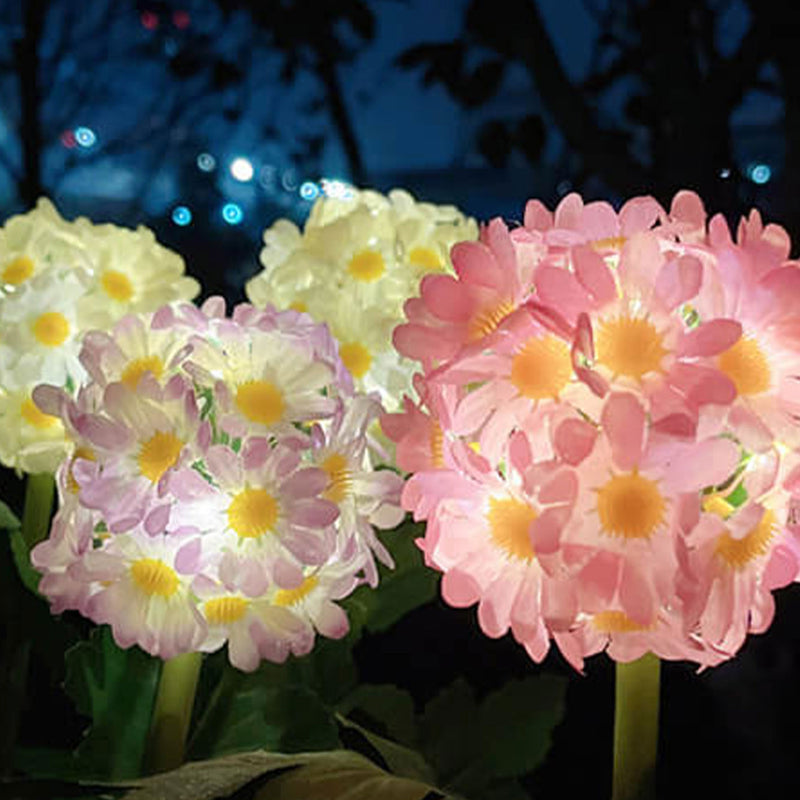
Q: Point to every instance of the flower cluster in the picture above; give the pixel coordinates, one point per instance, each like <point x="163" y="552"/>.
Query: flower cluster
<point x="358" y="259"/>
<point x="218" y="488"/>
<point x="605" y="445"/>
<point x="59" y="279"/>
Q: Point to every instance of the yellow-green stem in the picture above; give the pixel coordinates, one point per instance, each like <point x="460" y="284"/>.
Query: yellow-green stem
<point x="636" y="729"/>
<point x="39" y="493"/>
<point x="173" y="711"/>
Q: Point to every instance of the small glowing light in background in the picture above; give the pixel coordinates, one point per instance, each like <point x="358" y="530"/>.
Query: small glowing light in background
<point x="232" y="213"/>
<point x="724" y="173"/>
<point x="266" y="176"/>
<point x="85" y="137"/>
<point x="336" y="188"/>
<point x="181" y="216"/>
<point x="181" y="19"/>
<point x="242" y="169"/>
<point x="563" y="187"/>
<point x="759" y="173"/>
<point x="149" y="20"/>
<point x="309" y="190"/>
<point x="206" y="162"/>
<point x="170" y="47"/>
<point x="68" y="139"/>
<point x="289" y="180"/>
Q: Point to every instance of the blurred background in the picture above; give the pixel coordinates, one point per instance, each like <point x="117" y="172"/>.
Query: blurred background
<point x="207" y="120"/>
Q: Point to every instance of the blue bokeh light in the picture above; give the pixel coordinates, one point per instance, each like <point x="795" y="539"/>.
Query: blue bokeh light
<point x="85" y="137"/>
<point x="309" y="191"/>
<point x="206" y="162"/>
<point x="760" y="173"/>
<point x="182" y="216"/>
<point x="242" y="169"/>
<point x="232" y="213"/>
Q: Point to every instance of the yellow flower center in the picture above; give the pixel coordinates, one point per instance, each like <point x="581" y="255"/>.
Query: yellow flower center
<point x="716" y="504"/>
<point x="617" y="622"/>
<point x="425" y="258"/>
<point x="630" y="346"/>
<point x="260" y="401"/>
<point x="30" y="412"/>
<point x="541" y="368"/>
<point x="610" y="243"/>
<point x="367" y="266"/>
<point x="509" y="524"/>
<point x="299" y="305"/>
<point x="252" y="513"/>
<point x="340" y="476"/>
<point x="18" y="271"/>
<point x="158" y="454"/>
<point x="747" y="366"/>
<point x="51" y="329"/>
<point x="487" y="320"/>
<point x="225" y="610"/>
<point x="630" y="506"/>
<point x="80" y="452"/>
<point x="737" y="553"/>
<point x="117" y="285"/>
<point x="154" y="577"/>
<point x="133" y="373"/>
<point x="289" y="597"/>
<point x="436" y="441"/>
<point x="356" y="358"/>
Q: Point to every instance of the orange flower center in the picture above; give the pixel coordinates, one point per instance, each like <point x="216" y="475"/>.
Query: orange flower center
<point x="617" y="622"/>
<point x="260" y="401"/>
<point x="290" y="597"/>
<point x="541" y="368"/>
<point x="225" y="610"/>
<point x="158" y="454"/>
<point x="18" y="271"/>
<point x="629" y="346"/>
<point x="117" y="285"/>
<point x="133" y="373"/>
<point x="367" y="266"/>
<point x="509" y="525"/>
<point x="487" y="320"/>
<point x="51" y="329"/>
<point x="356" y="358"/>
<point x="746" y="365"/>
<point x="154" y="577"/>
<point x="631" y="506"/>
<point x="252" y="513"/>
<point x="340" y="476"/>
<point x="737" y="553"/>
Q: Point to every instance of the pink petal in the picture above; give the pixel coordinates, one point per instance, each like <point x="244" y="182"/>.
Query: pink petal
<point x="781" y="569"/>
<point x="445" y="297"/>
<point x="594" y="274"/>
<point x="475" y="264"/>
<point x="574" y="440"/>
<point x="623" y="421"/>
<point x="331" y="621"/>
<point x="545" y="530"/>
<point x="569" y="212"/>
<point x="459" y="590"/>
<point x="688" y="207"/>
<point x="187" y="559"/>
<point x="537" y="217"/>
<point x="710" y="338"/>
<point x="156" y="521"/>
<point x="635" y="595"/>
<point x="598" y="580"/>
<point x="639" y="214"/>
<point x="314" y="513"/>
<point x="679" y="280"/>
<point x="560" y="288"/>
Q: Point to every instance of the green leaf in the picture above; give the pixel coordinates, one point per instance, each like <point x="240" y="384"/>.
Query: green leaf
<point x="116" y="689"/>
<point x="450" y="740"/>
<point x="287" y="719"/>
<point x="8" y="520"/>
<point x="333" y="775"/>
<point x="409" y="585"/>
<point x="516" y="723"/>
<point x="22" y="558"/>
<point x="390" y="707"/>
<point x="402" y="761"/>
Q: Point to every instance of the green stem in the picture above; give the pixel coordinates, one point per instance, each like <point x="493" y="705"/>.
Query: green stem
<point x="173" y="711"/>
<point x="636" y="729"/>
<point x="39" y="493"/>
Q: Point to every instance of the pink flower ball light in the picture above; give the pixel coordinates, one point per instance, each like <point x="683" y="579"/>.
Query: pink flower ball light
<point x="220" y="488"/>
<point x="605" y="445"/>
